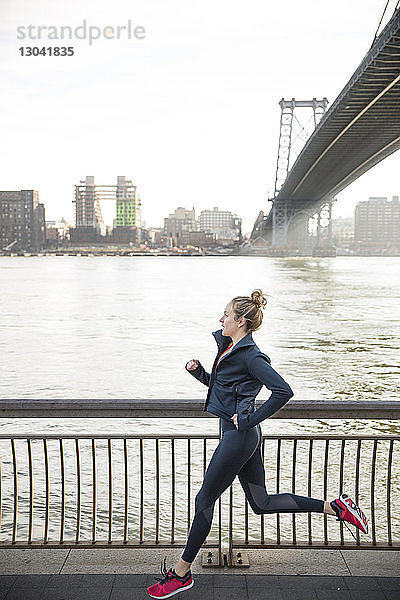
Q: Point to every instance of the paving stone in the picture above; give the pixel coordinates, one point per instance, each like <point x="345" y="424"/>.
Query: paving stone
<point x="362" y="583"/>
<point x="124" y="594"/>
<point x="61" y="580"/>
<point x="367" y="595"/>
<point x="85" y="593"/>
<point x="232" y="581"/>
<point x="388" y="583"/>
<point x="151" y="579"/>
<point x="130" y="581"/>
<point x="297" y="562"/>
<point x="226" y="593"/>
<point x="265" y="581"/>
<point x="382" y="563"/>
<point x="133" y="594"/>
<point x="199" y="592"/>
<point x="391" y="594"/>
<point x="6" y="582"/>
<point x="333" y="594"/>
<point x="119" y="560"/>
<point x="299" y="582"/>
<point x="76" y="593"/>
<point x="25" y="594"/>
<point x="54" y="594"/>
<point x="89" y="580"/>
<point x="80" y="579"/>
<point x="31" y="581"/>
<point x="18" y="561"/>
<point x="299" y="594"/>
<point x="206" y="580"/>
<point x="260" y="593"/>
<point x="322" y="582"/>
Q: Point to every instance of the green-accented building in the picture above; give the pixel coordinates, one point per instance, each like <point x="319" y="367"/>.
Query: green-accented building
<point x="128" y="219"/>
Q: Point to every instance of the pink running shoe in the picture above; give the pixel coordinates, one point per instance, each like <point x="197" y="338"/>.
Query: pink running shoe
<point x="347" y="510"/>
<point x="170" y="584"/>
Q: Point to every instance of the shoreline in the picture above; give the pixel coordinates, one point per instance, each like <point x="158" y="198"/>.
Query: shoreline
<point x="157" y="253"/>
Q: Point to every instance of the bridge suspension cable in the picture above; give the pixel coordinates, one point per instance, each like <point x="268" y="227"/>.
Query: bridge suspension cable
<point x="381" y="19"/>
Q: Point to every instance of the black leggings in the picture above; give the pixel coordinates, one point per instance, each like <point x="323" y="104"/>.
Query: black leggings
<point x="239" y="453"/>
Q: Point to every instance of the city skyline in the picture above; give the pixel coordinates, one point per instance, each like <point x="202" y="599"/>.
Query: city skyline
<point x="374" y="228"/>
<point x="191" y="112"/>
<point x="110" y="208"/>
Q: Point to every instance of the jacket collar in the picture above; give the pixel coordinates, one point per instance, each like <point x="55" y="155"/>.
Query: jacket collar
<point x="224" y="340"/>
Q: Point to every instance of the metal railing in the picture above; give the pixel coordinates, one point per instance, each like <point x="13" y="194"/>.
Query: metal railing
<point x="139" y="490"/>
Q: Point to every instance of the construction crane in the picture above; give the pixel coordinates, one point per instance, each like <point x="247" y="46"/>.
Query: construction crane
<point x="7" y="248"/>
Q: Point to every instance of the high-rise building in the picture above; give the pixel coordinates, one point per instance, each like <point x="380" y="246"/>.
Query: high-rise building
<point x="223" y="223"/>
<point x="127" y="223"/>
<point x="22" y="221"/>
<point x="126" y="215"/>
<point x="89" y="223"/>
<point x="377" y="224"/>
<point x="180" y="220"/>
<point x="343" y="233"/>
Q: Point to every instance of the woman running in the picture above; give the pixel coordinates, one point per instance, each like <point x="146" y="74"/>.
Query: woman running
<point x="240" y="370"/>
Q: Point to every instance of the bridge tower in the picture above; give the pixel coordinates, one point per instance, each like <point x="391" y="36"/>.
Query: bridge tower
<point x="287" y="153"/>
<point x="322" y="226"/>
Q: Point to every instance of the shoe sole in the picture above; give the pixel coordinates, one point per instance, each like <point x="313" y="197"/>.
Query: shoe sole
<point x="363" y="528"/>
<point x="182" y="589"/>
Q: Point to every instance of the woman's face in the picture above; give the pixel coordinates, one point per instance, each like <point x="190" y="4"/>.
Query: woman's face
<point x="230" y="327"/>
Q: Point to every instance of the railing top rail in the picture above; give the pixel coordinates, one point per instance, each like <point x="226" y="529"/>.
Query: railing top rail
<point x="194" y="436"/>
<point x="189" y="408"/>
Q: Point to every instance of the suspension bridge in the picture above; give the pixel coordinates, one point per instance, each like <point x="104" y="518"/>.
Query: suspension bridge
<point x="360" y="129"/>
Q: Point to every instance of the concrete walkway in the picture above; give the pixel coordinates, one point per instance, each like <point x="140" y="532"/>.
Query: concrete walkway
<point x="206" y="587"/>
<point x="124" y="574"/>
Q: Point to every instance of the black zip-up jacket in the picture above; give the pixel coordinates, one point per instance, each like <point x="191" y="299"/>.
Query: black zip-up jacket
<point x="234" y="384"/>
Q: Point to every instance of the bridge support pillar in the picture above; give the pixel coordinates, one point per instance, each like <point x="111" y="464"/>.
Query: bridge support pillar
<point x="323" y="239"/>
<point x="290" y="228"/>
<point x="279" y="224"/>
<point x="281" y="217"/>
<point x="298" y="235"/>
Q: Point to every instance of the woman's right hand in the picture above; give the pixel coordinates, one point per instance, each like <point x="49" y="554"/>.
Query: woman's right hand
<point x="192" y="364"/>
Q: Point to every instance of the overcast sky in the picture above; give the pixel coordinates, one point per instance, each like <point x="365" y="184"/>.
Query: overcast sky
<point x="190" y="112"/>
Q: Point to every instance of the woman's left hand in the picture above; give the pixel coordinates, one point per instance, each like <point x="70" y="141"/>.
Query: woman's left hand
<point x="235" y="420"/>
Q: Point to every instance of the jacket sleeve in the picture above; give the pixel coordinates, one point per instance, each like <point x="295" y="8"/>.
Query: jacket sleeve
<point x="260" y="368"/>
<point x="200" y="373"/>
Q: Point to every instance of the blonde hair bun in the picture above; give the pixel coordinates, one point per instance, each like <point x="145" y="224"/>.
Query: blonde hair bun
<point x="250" y="308"/>
<point x="258" y="298"/>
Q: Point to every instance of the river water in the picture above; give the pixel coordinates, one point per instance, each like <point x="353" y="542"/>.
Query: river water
<point x="124" y="327"/>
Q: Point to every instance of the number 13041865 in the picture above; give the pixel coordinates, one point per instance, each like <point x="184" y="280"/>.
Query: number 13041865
<point x="49" y="51"/>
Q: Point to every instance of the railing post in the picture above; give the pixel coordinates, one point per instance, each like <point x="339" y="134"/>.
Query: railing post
<point x="234" y="559"/>
<point x="216" y="558"/>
